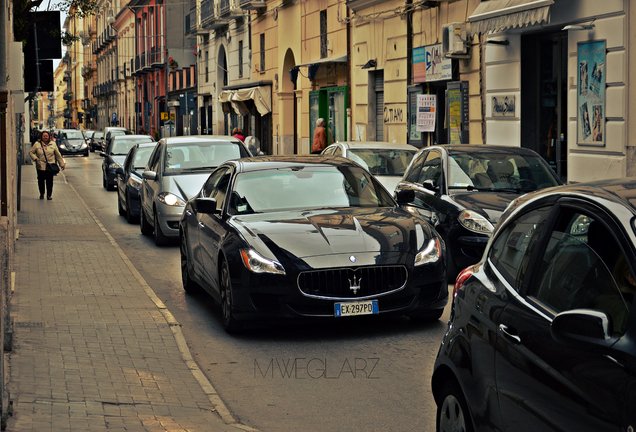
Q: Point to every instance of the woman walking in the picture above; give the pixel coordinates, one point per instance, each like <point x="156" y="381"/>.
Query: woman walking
<point x="43" y="153"/>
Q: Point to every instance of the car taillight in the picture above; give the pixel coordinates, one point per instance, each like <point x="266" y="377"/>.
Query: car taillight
<point x="461" y="278"/>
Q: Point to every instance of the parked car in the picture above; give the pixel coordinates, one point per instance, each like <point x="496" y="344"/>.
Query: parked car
<point x="541" y="334"/>
<point x="96" y="141"/>
<point x="177" y="169"/>
<point x="115" y="154"/>
<point x="307" y="236"/>
<point x="128" y="178"/>
<point x="463" y="189"/>
<point x="88" y="133"/>
<point x="386" y="161"/>
<point x="71" y="142"/>
<point x="112" y="131"/>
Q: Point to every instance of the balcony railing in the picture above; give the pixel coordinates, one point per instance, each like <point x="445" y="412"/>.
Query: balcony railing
<point x="253" y="4"/>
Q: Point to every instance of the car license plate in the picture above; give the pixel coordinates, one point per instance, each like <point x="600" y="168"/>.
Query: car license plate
<point x="369" y="307"/>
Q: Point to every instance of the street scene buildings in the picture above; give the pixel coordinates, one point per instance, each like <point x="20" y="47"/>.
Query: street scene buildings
<point x="552" y="76"/>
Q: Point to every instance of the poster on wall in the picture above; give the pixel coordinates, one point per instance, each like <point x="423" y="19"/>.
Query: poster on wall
<point x="591" y="93"/>
<point x="426" y="109"/>
<point x="457" y="112"/>
<point x="430" y="65"/>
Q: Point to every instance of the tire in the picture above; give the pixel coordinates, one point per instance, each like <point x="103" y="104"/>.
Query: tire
<point x="144" y="226"/>
<point x="230" y="323"/>
<point x="120" y="209"/>
<point x="129" y="216"/>
<point x="451" y="269"/>
<point x="104" y="182"/>
<point x="160" y="238"/>
<point x="86" y="154"/>
<point x="453" y="414"/>
<point x="189" y="286"/>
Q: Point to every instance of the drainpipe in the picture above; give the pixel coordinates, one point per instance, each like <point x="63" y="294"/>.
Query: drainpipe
<point x="409" y="63"/>
<point x="4" y="190"/>
<point x="349" y="111"/>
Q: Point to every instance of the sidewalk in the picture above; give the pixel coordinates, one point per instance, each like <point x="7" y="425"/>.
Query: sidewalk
<point x="93" y="348"/>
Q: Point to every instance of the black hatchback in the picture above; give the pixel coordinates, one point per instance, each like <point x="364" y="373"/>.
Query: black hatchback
<point x="463" y="189"/>
<point x="542" y="334"/>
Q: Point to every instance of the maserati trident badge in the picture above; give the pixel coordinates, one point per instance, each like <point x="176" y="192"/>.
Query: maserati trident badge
<point x="354" y="285"/>
<point x="352" y="259"/>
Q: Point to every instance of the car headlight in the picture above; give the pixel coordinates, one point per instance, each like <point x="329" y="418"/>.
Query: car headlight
<point x="63" y="146"/>
<point x="84" y="145"/>
<point x="431" y="253"/>
<point x="171" y="199"/>
<point x="256" y="263"/>
<point x="475" y="222"/>
<point x="134" y="182"/>
<point x="114" y="165"/>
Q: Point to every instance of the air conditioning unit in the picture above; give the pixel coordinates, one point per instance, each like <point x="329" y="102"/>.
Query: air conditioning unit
<point x="455" y="40"/>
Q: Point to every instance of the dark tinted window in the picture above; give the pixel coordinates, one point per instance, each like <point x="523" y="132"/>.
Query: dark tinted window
<point x="201" y="155"/>
<point x="583" y="267"/>
<point x="512" y="247"/>
<point x="413" y="172"/>
<point x="432" y="168"/>
<point x="211" y="182"/>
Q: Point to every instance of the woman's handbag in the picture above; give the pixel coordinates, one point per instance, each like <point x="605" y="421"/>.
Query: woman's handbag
<point x="52" y="168"/>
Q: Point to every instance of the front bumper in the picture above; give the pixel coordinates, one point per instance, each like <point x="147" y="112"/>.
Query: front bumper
<point x="73" y="150"/>
<point x="263" y="296"/>
<point x="168" y="218"/>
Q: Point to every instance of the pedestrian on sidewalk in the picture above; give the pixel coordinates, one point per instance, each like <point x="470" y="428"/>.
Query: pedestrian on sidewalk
<point x="44" y="152"/>
<point x="320" y="137"/>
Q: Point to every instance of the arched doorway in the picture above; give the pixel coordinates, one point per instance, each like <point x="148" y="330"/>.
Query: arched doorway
<point x="288" y="117"/>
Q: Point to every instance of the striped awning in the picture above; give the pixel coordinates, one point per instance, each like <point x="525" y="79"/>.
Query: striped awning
<point x="493" y="16"/>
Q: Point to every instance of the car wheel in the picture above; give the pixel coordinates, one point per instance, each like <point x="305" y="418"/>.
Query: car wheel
<point x="451" y="269"/>
<point x="160" y="239"/>
<point x="104" y="182"/>
<point x="452" y="410"/>
<point x="230" y="323"/>
<point x="120" y="209"/>
<point x="189" y="286"/>
<point x="129" y="215"/>
<point x="145" y="227"/>
<point x="86" y="154"/>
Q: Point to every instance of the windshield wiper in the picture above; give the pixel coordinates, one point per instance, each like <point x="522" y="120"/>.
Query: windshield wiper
<point x="200" y="168"/>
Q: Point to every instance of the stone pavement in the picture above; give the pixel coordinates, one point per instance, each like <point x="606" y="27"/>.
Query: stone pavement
<point x="94" y="349"/>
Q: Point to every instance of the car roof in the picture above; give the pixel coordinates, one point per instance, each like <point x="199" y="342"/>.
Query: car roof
<point x="146" y="144"/>
<point x="482" y="148"/>
<point x="199" y="139"/>
<point x="289" y="161"/>
<point x="130" y="137"/>
<point x="376" y="145"/>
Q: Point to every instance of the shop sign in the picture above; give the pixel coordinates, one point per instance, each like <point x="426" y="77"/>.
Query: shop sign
<point x="590" y="93"/>
<point x="429" y="64"/>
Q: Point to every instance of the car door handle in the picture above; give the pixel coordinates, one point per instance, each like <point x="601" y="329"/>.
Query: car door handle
<point x="201" y="225"/>
<point x="188" y="213"/>
<point x="503" y="329"/>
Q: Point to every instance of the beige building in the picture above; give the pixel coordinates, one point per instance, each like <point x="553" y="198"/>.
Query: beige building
<point x="124" y="25"/>
<point x="59" y="84"/>
<point x="74" y="25"/>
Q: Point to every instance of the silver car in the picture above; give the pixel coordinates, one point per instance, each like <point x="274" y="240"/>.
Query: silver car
<point x="176" y="171"/>
<point x="385" y="161"/>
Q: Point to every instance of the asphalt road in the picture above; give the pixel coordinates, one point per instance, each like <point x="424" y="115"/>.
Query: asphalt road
<point x="349" y="375"/>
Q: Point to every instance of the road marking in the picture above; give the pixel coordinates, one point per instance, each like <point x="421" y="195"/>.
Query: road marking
<point x="213" y="396"/>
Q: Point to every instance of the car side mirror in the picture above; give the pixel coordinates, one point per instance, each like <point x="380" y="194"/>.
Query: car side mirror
<point x="119" y="171"/>
<point x="582" y="327"/>
<point x="150" y="175"/>
<point x="405" y="196"/>
<point x="205" y="205"/>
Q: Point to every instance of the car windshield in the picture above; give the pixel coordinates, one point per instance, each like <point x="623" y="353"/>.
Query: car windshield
<point x="98" y="135"/>
<point x="498" y="172"/>
<point x="383" y="162"/>
<point x="141" y="157"/>
<point x="73" y="134"/>
<point x="121" y="146"/>
<point x="308" y="187"/>
<point x="201" y="156"/>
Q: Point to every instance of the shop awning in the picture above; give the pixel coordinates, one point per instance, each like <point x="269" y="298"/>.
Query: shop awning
<point x="499" y="15"/>
<point x="261" y="96"/>
<point x="325" y="60"/>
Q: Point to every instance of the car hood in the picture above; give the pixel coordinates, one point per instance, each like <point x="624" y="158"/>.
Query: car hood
<point x="488" y="204"/>
<point x="185" y="185"/>
<point x="313" y="233"/>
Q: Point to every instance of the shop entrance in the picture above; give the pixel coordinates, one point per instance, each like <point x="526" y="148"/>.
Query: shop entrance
<point x="544" y="61"/>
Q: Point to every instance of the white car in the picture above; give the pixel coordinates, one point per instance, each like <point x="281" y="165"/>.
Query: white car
<point x="386" y="161"/>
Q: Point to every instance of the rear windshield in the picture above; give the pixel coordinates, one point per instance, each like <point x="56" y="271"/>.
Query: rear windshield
<point x="141" y="157"/>
<point x="121" y="146"/>
<point x="383" y="162"/>
<point x="73" y="134"/>
<point x="201" y="156"/>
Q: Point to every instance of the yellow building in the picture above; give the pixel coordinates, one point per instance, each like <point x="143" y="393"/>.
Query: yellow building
<point x="124" y="26"/>
<point x="60" y="90"/>
<point x="74" y="25"/>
